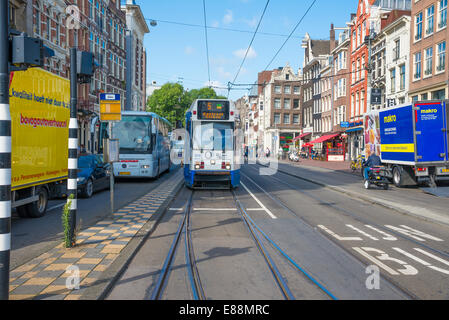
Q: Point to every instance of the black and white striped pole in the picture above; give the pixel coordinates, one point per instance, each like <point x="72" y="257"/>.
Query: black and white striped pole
<point x="72" y="183"/>
<point x="5" y="154"/>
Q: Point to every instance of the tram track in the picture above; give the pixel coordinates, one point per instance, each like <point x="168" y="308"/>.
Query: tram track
<point x="341" y="210"/>
<point x="346" y="213"/>
<point x="195" y="281"/>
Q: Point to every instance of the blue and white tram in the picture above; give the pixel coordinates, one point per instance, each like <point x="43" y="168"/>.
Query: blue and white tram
<point x="210" y="155"/>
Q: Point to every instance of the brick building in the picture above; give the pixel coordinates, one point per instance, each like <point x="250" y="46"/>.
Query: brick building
<point x="428" y="42"/>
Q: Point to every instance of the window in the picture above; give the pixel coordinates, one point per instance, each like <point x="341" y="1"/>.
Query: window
<point x="277" y="118"/>
<point x="287" y="104"/>
<point x="442" y="14"/>
<point x="417" y="74"/>
<point x="287" y="77"/>
<point x="441" y="56"/>
<point x="287" y="89"/>
<point x="402" y="77"/>
<point x="393" y="80"/>
<point x="396" y="50"/>
<point x="296" y="119"/>
<point x="286" y="119"/>
<point x="418" y="26"/>
<point x="296" y="90"/>
<point x="430" y="12"/>
<point x="277" y="103"/>
<point x="362" y="68"/>
<point x="295" y="103"/>
<point x="429" y="56"/>
<point x="277" y="89"/>
<point x="48" y="25"/>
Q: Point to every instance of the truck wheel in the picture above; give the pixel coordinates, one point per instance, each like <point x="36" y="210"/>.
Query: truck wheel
<point x="22" y="212"/>
<point x="39" y="208"/>
<point x="397" y="177"/>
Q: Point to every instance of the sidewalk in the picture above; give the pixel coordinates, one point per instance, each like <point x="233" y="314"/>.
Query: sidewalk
<point x="100" y="248"/>
<point x="410" y="201"/>
<point x="335" y="166"/>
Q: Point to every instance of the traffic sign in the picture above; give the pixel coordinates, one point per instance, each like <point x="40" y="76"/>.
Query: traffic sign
<point x="110" y="107"/>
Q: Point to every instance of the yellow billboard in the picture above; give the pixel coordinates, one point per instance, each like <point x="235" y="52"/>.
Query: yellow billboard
<point x="40" y="115"/>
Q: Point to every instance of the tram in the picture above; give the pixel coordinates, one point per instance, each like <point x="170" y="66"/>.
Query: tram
<point x="211" y="151"/>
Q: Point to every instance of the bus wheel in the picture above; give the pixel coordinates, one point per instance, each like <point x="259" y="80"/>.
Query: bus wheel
<point x="39" y="208"/>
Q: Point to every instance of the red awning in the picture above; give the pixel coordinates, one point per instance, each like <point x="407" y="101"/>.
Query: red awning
<point x="302" y="136"/>
<point x="324" y="138"/>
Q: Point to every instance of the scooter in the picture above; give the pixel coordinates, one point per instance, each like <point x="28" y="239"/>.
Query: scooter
<point x="380" y="177"/>
<point x="293" y="156"/>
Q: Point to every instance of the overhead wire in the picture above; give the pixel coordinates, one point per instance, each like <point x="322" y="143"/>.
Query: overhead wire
<point x="207" y="41"/>
<point x="250" y="45"/>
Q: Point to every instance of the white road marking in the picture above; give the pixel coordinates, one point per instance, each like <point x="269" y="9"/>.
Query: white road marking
<point x="336" y="236"/>
<point x="56" y="207"/>
<point x="412" y="257"/>
<point x="413" y="233"/>
<point x="377" y="262"/>
<point x="362" y="232"/>
<point x="255" y="209"/>
<point x="432" y="256"/>
<point x="214" y="209"/>
<point x="260" y="203"/>
<point x="387" y="237"/>
<point x="176" y="209"/>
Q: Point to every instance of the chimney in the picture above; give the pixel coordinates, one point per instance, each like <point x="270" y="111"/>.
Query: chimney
<point x="332" y="38"/>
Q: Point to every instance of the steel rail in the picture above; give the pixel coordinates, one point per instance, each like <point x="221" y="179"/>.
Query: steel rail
<point x="194" y="277"/>
<point x="347" y="212"/>
<point x="158" y="290"/>
<point x="273" y="268"/>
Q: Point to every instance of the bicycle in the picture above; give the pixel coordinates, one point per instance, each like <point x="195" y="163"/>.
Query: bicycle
<point x="357" y="164"/>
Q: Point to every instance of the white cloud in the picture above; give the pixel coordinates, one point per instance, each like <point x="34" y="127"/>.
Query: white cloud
<point x="223" y="73"/>
<point x="215" y="24"/>
<point x="241" y="53"/>
<point x="189" y="50"/>
<point x="228" y="17"/>
<point x="252" y="23"/>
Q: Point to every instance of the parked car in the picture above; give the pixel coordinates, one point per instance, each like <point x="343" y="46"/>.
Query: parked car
<point x="93" y="175"/>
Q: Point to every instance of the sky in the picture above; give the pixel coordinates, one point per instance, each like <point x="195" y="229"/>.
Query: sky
<point x="179" y="51"/>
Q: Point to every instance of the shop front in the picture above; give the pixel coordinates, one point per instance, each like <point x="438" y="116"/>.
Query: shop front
<point x="329" y="148"/>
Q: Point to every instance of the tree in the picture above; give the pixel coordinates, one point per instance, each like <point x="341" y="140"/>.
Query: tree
<point x="171" y="101"/>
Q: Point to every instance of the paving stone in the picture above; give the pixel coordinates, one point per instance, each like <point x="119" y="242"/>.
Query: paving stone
<point x="26" y="290"/>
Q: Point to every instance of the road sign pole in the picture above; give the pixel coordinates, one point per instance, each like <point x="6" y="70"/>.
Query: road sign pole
<point x="5" y="154"/>
<point x="111" y="180"/>
<point x="72" y="183"/>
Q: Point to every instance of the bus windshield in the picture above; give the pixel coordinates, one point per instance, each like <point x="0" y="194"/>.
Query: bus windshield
<point x="134" y="134"/>
<point x="213" y="136"/>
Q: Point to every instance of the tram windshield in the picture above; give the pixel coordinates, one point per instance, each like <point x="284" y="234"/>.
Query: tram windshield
<point x="213" y="136"/>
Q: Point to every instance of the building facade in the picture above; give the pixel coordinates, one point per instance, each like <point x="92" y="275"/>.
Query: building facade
<point x="428" y="42"/>
<point x="135" y="57"/>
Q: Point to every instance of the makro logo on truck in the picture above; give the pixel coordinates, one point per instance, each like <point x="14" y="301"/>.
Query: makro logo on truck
<point x="390" y="118"/>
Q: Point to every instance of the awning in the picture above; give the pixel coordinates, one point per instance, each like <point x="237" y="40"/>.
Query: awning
<point x="302" y="136"/>
<point x="324" y="138"/>
<point x="354" y="130"/>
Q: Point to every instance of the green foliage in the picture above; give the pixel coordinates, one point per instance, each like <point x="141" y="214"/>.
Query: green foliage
<point x="172" y="102"/>
<point x="66" y="223"/>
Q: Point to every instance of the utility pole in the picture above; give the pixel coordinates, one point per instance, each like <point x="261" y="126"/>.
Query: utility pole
<point x="5" y="154"/>
<point x="72" y="184"/>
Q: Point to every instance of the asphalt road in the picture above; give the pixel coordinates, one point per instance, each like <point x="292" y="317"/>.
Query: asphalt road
<point x="32" y="237"/>
<point x="339" y="242"/>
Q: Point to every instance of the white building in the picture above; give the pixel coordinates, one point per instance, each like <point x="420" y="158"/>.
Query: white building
<point x="135" y="56"/>
<point x="397" y="56"/>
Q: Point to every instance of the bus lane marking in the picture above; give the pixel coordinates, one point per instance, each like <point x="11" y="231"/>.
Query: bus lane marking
<point x="413" y="233"/>
<point x="336" y="236"/>
<point x="425" y="263"/>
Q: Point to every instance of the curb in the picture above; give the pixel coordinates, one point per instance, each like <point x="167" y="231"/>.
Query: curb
<point x="443" y="221"/>
<point x="106" y="282"/>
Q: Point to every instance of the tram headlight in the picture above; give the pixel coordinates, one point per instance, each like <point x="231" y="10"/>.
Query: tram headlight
<point x="145" y="167"/>
<point x="228" y="166"/>
<point x="212" y="162"/>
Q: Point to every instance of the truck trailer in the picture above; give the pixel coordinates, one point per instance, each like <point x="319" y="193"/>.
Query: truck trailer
<point x="413" y="140"/>
<point x="40" y="115"/>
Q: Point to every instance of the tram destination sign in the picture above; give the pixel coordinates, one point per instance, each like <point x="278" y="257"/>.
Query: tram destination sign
<point x="213" y="110"/>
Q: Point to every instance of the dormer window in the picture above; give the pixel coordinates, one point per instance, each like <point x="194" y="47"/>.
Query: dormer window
<point x="287" y="77"/>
